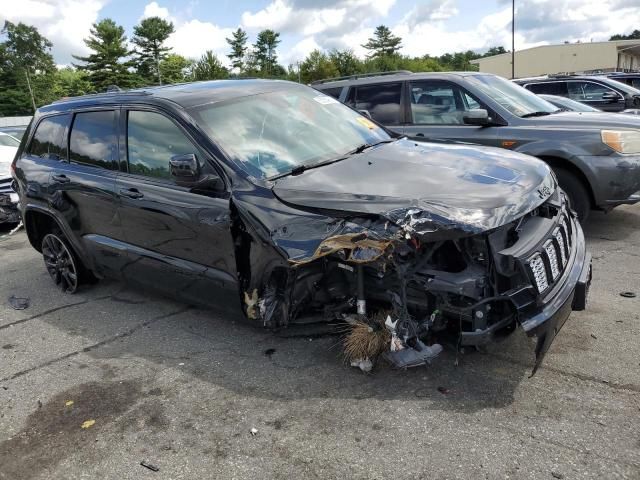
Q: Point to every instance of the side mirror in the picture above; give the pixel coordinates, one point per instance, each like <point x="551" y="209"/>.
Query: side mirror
<point x="365" y="113"/>
<point x="611" y="97"/>
<point x="184" y="167"/>
<point x="476" y="116"/>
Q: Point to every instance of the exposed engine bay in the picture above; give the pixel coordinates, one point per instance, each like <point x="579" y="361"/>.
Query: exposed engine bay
<point x="402" y="281"/>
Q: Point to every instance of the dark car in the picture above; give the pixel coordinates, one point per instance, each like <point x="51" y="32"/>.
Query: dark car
<point x="597" y="91"/>
<point x="567" y="104"/>
<point x="273" y="199"/>
<point x="596" y="157"/>
<point x="631" y="79"/>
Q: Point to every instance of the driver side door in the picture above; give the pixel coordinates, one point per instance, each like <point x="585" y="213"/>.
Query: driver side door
<point x="178" y="239"/>
<point x="436" y="110"/>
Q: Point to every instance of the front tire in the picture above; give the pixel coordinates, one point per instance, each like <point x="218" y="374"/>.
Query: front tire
<point x="60" y="262"/>
<point x="578" y="195"/>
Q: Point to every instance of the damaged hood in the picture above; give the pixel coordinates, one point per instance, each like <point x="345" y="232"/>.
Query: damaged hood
<point x="426" y="187"/>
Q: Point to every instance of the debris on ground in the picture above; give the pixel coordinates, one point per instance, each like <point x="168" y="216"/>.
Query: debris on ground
<point x="150" y="466"/>
<point x="444" y="390"/>
<point x="19" y="303"/>
<point x="253" y="431"/>
<point x="364" y="364"/>
<point x="88" y="424"/>
<point x="557" y="475"/>
<point x="68" y="403"/>
<point x="628" y="294"/>
<point x="593" y="336"/>
<point x="269" y="351"/>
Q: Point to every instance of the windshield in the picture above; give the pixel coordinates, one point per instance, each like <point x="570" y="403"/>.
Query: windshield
<point x="272" y="133"/>
<point x="8" y="141"/>
<point x="518" y="100"/>
<point x="569" y="104"/>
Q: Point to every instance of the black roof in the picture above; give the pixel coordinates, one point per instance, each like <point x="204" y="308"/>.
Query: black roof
<point x="186" y="95"/>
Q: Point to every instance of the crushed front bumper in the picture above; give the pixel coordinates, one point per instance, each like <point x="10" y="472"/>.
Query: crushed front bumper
<point x="543" y="315"/>
<point x="570" y="293"/>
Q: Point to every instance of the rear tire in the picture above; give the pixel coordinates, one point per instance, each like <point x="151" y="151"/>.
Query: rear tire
<point x="61" y="262"/>
<point x="579" y="198"/>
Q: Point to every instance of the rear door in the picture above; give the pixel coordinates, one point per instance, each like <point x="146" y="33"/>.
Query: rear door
<point x="382" y="101"/>
<point x="82" y="187"/>
<point x="436" y="110"/>
<point x="178" y="239"/>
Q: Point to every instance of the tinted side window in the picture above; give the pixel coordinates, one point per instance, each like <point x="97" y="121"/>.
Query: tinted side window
<point x="152" y="139"/>
<point x="381" y="101"/>
<point x="587" y="91"/>
<point x="48" y="140"/>
<point x="333" y="92"/>
<point x="551" y="88"/>
<point x="92" y="140"/>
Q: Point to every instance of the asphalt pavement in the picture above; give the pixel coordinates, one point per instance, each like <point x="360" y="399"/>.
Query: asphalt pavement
<point x="95" y="383"/>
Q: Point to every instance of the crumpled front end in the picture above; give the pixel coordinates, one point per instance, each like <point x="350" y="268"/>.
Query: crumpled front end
<point x="9" y="212"/>
<point x="409" y="278"/>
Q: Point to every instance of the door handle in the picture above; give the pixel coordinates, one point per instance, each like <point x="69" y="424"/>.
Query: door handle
<point x="61" y="178"/>
<point x="131" y="193"/>
<point x="419" y="134"/>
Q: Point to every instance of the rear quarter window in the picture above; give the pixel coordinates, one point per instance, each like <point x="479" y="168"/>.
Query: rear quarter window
<point x="48" y="140"/>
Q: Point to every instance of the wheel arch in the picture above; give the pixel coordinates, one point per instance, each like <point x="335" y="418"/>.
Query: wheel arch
<point x="564" y="164"/>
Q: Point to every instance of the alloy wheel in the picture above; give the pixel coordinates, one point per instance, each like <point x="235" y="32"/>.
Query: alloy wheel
<point x="60" y="263"/>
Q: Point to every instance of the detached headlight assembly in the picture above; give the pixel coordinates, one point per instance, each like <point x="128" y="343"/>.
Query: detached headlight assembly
<point x="622" y="141"/>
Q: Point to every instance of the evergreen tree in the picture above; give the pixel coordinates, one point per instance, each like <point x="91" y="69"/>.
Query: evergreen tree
<point x="26" y="67"/>
<point x="148" y="38"/>
<point x="383" y="42"/>
<point x="106" y="65"/>
<point x="632" y="36"/>
<point x="208" y="67"/>
<point x="238" y="44"/>
<point x="264" y="51"/>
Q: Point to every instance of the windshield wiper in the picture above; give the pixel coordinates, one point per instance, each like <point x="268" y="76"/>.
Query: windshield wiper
<point x="364" y="146"/>
<point x="303" y="168"/>
<point x="538" y="114"/>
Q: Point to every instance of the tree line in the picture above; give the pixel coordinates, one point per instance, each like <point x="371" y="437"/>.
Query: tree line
<point x="29" y="77"/>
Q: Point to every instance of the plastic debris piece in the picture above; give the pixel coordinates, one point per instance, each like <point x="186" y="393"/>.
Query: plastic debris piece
<point x="181" y="364"/>
<point x="413" y="357"/>
<point x="150" y="466"/>
<point x="557" y="475"/>
<point x="88" y="424"/>
<point x="628" y="294"/>
<point x="363" y="364"/>
<point x="443" y="390"/>
<point x="269" y="351"/>
<point x="68" y="403"/>
<point x="254" y="431"/>
<point x="19" y="303"/>
<point x="593" y="336"/>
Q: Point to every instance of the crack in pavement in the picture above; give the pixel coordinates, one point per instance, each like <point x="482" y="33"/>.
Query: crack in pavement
<point x="630" y="387"/>
<point x="129" y="332"/>
<point x="53" y="310"/>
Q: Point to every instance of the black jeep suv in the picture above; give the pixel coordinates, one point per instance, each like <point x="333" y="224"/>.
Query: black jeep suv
<point x="595" y="156"/>
<point x="273" y="199"/>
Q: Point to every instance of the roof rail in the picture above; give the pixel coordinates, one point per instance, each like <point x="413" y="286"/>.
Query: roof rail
<point x="360" y="75"/>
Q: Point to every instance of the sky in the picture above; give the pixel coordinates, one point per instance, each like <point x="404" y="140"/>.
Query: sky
<point x="429" y="27"/>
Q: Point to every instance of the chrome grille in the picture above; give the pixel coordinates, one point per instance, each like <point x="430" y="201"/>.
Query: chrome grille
<point x="547" y="265"/>
<point x="536" y="264"/>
